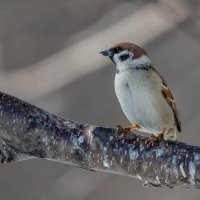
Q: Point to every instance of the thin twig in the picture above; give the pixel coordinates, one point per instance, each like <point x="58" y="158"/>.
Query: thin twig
<point x="30" y="132"/>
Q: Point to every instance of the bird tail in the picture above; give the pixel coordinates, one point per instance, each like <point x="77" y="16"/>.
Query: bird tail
<point x="171" y="134"/>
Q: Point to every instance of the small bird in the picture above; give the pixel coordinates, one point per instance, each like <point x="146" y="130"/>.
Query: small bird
<point x="143" y="94"/>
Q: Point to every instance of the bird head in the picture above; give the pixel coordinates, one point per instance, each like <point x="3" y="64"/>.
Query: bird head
<point x="128" y="56"/>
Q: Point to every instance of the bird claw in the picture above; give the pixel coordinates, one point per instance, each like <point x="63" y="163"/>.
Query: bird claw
<point x="121" y="129"/>
<point x="123" y="133"/>
<point x="153" y="140"/>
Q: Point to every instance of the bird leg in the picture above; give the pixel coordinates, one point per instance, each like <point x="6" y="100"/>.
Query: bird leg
<point x="122" y="131"/>
<point x="153" y="139"/>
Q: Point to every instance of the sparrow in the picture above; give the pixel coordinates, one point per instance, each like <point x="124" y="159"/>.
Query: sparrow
<point x="142" y="92"/>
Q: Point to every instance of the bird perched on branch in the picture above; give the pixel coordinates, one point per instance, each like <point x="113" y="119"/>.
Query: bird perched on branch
<point x="143" y="94"/>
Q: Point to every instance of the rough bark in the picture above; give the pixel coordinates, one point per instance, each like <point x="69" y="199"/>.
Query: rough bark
<point x="30" y="132"/>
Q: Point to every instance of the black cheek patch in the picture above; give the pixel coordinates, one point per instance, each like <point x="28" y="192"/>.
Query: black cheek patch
<point x="124" y="57"/>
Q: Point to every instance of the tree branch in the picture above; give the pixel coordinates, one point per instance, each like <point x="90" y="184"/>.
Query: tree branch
<point x="30" y="132"/>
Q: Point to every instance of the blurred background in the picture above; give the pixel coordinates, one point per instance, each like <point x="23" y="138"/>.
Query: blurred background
<point x="49" y="56"/>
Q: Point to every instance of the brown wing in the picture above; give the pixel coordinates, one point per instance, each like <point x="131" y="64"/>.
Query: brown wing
<point x="170" y="100"/>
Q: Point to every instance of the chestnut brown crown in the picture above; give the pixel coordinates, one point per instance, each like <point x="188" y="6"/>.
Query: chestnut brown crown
<point x="134" y="49"/>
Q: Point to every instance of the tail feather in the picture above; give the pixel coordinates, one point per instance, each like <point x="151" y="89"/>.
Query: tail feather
<point x="171" y="134"/>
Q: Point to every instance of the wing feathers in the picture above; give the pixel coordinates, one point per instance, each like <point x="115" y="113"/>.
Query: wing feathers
<point x="170" y="99"/>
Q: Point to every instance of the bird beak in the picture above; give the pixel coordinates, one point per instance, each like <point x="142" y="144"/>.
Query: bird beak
<point x="107" y="52"/>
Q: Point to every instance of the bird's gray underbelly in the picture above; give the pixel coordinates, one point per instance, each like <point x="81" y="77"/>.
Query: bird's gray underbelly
<point x="143" y="105"/>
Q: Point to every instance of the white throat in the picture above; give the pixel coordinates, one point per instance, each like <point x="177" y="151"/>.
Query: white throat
<point x="141" y="62"/>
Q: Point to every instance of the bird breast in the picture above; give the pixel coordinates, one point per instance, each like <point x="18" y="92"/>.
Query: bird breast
<point x="140" y="97"/>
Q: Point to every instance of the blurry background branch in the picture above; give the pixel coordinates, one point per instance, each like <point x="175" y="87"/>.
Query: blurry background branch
<point x="30" y="132"/>
<point x="136" y="26"/>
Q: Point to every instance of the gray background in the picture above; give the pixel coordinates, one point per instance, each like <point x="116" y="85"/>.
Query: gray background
<point x="49" y="57"/>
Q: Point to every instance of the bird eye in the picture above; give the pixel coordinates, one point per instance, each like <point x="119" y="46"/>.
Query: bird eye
<point x="117" y="50"/>
<point x="124" y="57"/>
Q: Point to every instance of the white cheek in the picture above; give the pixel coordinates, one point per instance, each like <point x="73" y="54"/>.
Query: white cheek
<point x="131" y="63"/>
<point x="143" y="60"/>
<point x="116" y="57"/>
<point x="128" y="62"/>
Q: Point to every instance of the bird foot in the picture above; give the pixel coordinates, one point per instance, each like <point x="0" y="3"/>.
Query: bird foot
<point x="153" y="140"/>
<point x="121" y="129"/>
<point x="123" y="132"/>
